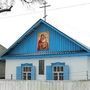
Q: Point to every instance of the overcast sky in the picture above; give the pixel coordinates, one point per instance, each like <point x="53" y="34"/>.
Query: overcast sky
<point x="69" y="16"/>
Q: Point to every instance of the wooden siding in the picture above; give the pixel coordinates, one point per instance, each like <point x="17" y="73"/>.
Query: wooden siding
<point x="57" y="42"/>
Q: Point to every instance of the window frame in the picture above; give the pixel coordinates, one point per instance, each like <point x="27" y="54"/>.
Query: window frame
<point x="59" y="71"/>
<point x="41" y="67"/>
<point x="26" y="72"/>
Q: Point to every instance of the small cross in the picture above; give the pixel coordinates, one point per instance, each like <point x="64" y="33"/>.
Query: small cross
<point x="45" y="6"/>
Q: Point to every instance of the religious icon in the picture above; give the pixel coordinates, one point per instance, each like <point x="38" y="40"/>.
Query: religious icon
<point x="43" y="40"/>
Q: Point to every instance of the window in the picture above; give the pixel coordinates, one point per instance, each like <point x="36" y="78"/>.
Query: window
<point x="58" y="73"/>
<point x="26" y="73"/>
<point x="41" y="67"/>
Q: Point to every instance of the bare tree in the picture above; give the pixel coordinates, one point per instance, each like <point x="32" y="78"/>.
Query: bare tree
<point x="7" y="5"/>
<point x="6" y="9"/>
<point x="31" y="1"/>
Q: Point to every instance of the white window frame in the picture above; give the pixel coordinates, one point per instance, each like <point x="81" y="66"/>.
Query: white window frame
<point x="59" y="77"/>
<point x="26" y="72"/>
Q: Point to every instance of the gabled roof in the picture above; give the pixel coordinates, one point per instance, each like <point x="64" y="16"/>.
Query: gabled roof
<point x="47" y="24"/>
<point x="2" y="49"/>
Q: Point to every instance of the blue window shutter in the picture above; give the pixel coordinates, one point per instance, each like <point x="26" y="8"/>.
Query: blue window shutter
<point x="66" y="72"/>
<point x="33" y="75"/>
<point x="18" y="73"/>
<point x="48" y="73"/>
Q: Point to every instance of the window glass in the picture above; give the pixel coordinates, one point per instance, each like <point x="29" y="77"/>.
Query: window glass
<point x="61" y="68"/>
<point x="54" y="68"/>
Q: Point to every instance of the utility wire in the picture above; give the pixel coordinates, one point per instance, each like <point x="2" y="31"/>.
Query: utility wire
<point x="70" y="6"/>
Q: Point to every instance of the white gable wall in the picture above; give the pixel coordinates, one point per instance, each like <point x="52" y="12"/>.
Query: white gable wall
<point x="77" y="66"/>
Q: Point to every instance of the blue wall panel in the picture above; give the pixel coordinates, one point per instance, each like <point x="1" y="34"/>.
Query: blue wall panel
<point x="57" y="42"/>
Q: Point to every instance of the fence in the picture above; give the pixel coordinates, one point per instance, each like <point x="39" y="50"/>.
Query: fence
<point x="43" y="85"/>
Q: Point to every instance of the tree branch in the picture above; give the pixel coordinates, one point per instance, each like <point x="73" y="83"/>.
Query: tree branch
<point x="27" y="1"/>
<point x="6" y="10"/>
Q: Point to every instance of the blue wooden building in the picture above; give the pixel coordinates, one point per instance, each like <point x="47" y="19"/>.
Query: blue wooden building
<point x="46" y="53"/>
